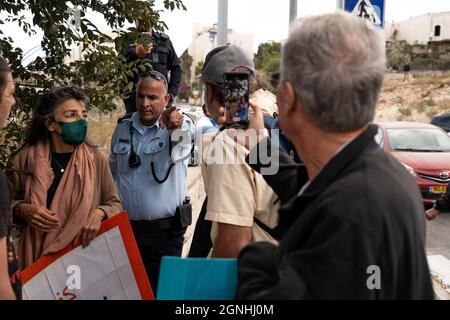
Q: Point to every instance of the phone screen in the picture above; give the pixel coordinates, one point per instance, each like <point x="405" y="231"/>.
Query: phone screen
<point x="236" y="96"/>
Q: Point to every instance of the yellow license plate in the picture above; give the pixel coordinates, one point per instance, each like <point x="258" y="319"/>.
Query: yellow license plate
<point x="438" y="189"/>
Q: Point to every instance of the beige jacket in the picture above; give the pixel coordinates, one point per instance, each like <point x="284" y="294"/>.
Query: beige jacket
<point x="236" y="193"/>
<point x="105" y="195"/>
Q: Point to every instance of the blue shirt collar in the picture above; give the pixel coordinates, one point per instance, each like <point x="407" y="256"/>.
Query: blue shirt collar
<point x="139" y="126"/>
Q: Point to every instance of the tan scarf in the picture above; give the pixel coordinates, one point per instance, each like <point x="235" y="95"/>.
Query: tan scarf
<point x="71" y="204"/>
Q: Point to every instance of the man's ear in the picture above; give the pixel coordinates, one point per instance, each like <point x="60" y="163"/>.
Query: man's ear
<point x="287" y="96"/>
<point x="166" y="99"/>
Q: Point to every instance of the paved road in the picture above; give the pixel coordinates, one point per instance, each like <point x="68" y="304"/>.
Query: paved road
<point x="438" y="243"/>
<point x="438" y="235"/>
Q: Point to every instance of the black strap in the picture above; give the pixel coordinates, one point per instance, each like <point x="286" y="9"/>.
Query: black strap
<point x="152" y="164"/>
<point x="131" y="130"/>
<point x="266" y="228"/>
<point x="156" y="177"/>
<point x="134" y="161"/>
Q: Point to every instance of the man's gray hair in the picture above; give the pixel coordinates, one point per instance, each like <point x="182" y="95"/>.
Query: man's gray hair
<point x="336" y="65"/>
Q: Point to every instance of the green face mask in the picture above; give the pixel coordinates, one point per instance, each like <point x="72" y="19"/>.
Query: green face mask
<point x="73" y="133"/>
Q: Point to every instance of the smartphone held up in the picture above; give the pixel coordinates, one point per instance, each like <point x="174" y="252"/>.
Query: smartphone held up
<point x="236" y="96"/>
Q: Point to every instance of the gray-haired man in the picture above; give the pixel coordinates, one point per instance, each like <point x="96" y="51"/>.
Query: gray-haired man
<point x="356" y="230"/>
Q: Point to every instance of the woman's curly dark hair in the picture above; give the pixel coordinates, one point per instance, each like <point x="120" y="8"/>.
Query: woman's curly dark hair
<point x="46" y="108"/>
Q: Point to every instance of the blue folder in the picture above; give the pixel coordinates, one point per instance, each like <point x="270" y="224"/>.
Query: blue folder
<point x="197" y="279"/>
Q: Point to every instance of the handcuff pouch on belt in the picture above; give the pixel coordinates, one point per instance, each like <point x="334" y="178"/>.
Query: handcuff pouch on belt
<point x="183" y="215"/>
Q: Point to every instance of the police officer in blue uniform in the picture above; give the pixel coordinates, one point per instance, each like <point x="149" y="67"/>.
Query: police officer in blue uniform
<point x="158" y="48"/>
<point x="149" y="155"/>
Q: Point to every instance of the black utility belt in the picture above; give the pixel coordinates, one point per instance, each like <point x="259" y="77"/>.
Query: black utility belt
<point x="179" y="222"/>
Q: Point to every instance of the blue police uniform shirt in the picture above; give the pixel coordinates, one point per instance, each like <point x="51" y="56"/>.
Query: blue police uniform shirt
<point x="142" y="197"/>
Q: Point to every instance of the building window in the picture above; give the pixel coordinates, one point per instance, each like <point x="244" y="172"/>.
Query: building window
<point x="437" y="31"/>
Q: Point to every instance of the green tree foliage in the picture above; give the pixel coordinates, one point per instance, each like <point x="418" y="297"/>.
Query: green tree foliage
<point x="102" y="71"/>
<point x="398" y="54"/>
<point x="186" y="64"/>
<point x="432" y="56"/>
<point x="198" y="68"/>
<point x="196" y="84"/>
<point x="267" y="59"/>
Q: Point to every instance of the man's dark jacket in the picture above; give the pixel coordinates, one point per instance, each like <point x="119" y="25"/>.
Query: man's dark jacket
<point x="163" y="59"/>
<point x="362" y="213"/>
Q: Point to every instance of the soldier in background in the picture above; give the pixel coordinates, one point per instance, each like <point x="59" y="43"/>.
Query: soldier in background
<point x="158" y="48"/>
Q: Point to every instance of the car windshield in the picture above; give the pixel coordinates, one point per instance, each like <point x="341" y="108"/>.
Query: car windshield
<point x="418" y="140"/>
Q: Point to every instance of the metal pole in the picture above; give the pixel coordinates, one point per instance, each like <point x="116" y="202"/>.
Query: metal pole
<point x="292" y="11"/>
<point x="222" y="25"/>
<point x="340" y="4"/>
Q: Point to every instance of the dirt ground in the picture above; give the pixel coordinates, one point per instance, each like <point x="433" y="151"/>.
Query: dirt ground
<point x="417" y="99"/>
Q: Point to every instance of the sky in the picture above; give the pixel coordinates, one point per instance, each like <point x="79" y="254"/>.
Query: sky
<point x="265" y="19"/>
<point x="269" y="19"/>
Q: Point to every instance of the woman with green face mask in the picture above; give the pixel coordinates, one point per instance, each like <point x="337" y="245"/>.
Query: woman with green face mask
<point x="63" y="185"/>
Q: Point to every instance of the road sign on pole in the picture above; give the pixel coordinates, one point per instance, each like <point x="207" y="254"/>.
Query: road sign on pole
<point x="371" y="10"/>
